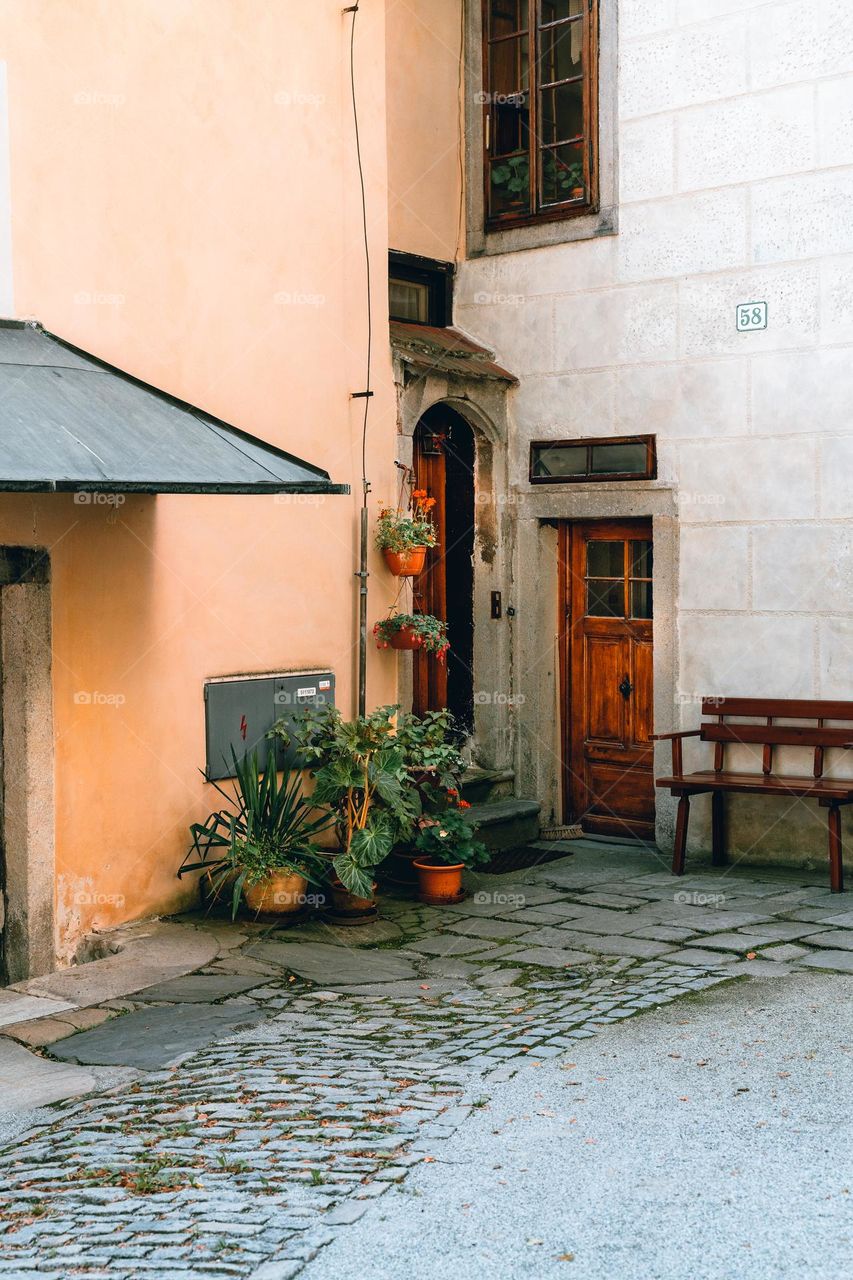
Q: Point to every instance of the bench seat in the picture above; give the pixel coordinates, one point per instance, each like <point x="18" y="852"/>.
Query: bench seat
<point x="839" y="790"/>
<point x="821" y="726"/>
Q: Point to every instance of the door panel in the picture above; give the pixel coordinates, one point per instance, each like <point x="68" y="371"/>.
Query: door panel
<point x="606" y="572"/>
<point x="604" y="662"/>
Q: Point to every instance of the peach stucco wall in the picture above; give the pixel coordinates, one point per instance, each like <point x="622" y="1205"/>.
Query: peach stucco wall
<point x="424" y="174"/>
<point x="185" y="205"/>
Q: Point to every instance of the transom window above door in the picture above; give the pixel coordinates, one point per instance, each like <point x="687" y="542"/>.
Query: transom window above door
<point x="539" y="97"/>
<point x="599" y="458"/>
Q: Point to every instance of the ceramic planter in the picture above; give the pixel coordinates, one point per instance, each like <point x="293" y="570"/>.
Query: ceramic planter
<point x="439" y="882"/>
<point x="405" y="564"/>
<point x="399" y="868"/>
<point x="281" y="893"/>
<point x="405" y="638"/>
<point x="349" y="909"/>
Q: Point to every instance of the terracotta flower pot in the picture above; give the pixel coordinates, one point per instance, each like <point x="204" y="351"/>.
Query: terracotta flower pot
<point x="278" y="894"/>
<point x="347" y="908"/>
<point x="405" y="638"/>
<point x="439" y="882"/>
<point x="399" y="868"/>
<point x="405" y="564"/>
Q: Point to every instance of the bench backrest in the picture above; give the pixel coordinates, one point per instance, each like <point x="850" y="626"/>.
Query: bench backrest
<point x="772" y="734"/>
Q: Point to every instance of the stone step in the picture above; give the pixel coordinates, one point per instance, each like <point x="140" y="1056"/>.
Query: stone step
<point x="482" y="785"/>
<point x="506" y="824"/>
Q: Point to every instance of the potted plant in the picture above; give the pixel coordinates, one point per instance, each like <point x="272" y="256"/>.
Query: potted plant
<point x="267" y="855"/>
<point x="434" y="763"/>
<point x="360" y="780"/>
<point x="446" y="845"/>
<point x="403" y="534"/>
<point x="413" y="631"/>
<point x="561" y="180"/>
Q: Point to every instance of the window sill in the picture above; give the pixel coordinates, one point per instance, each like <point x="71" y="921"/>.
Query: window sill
<point x="585" y="226"/>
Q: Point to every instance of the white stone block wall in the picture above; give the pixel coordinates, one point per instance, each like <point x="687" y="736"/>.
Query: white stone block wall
<point x="736" y="184"/>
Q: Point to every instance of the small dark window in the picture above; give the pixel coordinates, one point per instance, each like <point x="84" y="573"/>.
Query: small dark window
<point x="567" y="461"/>
<point x="540" y="60"/>
<point x="420" y="290"/>
<point x="619" y="585"/>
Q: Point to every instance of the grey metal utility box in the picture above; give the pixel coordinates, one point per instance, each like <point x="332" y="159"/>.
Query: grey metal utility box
<point x="239" y="713"/>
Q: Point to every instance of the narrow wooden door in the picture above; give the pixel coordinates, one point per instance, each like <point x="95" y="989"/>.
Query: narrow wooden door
<point x="606" y="569"/>
<point x="429" y="589"/>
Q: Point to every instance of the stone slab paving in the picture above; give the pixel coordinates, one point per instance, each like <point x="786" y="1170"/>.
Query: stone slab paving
<point x="368" y="1049"/>
<point x="156" y="1037"/>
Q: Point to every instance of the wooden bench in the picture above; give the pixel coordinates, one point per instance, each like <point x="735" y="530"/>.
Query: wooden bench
<point x="830" y="793"/>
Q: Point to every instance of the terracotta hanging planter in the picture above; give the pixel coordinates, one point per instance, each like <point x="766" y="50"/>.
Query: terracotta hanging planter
<point x="439" y="882"/>
<point x="405" y="564"/>
<point x="405" y="638"/>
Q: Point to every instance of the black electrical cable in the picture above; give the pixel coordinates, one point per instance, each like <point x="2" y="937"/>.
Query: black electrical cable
<point x="367" y="394"/>
<point x="365" y="486"/>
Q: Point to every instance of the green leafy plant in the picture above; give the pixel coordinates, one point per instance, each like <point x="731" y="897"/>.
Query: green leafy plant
<point x="361" y="780"/>
<point x="400" y="528"/>
<point x="447" y="837"/>
<point x="432" y="631"/>
<point x="271" y="830"/>
<point x="513" y="175"/>
<point x="431" y="745"/>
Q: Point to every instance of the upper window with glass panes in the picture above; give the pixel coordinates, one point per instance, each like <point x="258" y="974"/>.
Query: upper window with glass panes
<point x="540" y="106"/>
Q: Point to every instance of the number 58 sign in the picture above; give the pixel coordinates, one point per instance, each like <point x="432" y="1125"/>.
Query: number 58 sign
<point x="751" y="315"/>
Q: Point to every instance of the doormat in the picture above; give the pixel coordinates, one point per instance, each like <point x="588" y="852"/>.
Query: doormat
<point x="504" y="860"/>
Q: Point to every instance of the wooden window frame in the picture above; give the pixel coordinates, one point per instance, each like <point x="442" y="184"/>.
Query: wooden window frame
<point x="596" y="477"/>
<point x="567" y="209"/>
<point x="436" y="275"/>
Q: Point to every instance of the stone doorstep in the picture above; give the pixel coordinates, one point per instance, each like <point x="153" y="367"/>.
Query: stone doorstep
<point x="17" y="1006"/>
<point x="148" y="953"/>
<point x="41" y="1032"/>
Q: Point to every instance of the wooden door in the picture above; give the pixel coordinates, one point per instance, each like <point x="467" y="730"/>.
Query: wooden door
<point x="429" y="589"/>
<point x="606" y="572"/>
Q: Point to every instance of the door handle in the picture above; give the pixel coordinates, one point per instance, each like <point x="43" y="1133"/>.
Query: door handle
<point x="625" y="688"/>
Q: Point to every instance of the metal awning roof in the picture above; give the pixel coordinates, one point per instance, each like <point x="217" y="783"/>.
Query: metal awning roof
<point x="68" y="421"/>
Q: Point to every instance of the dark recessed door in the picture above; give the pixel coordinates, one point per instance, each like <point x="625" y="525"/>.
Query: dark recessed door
<point x="444" y="467"/>
<point x="606" y="569"/>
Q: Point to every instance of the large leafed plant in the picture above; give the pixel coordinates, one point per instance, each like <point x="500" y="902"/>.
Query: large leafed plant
<point x="361" y="778"/>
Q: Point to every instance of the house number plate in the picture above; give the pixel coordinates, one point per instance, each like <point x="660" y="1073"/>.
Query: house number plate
<point x="751" y="315"/>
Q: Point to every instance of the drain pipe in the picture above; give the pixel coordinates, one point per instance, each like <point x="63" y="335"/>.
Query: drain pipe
<point x="362" y="576"/>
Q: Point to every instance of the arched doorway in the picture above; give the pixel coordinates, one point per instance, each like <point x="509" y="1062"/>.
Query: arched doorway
<point x="444" y="466"/>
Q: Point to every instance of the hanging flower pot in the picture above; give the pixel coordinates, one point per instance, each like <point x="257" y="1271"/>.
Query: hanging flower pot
<point x="406" y="563"/>
<point x="405" y="638"/>
<point x="413" y="631"/>
<point x="403" y="534"/>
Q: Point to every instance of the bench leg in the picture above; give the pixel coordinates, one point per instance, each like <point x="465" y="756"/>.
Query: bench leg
<point x="836" y="870"/>
<point x="718" y="830"/>
<point x="681" y="821"/>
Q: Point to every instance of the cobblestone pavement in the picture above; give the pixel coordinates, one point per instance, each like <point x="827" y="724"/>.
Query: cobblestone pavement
<point x="372" y="1047"/>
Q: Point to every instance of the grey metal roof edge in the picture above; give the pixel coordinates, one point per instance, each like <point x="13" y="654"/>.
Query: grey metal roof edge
<point x="151" y="487"/>
<point x="323" y="477"/>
